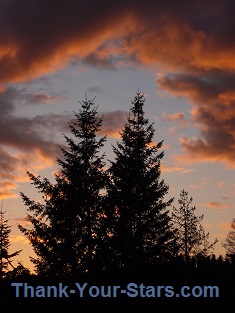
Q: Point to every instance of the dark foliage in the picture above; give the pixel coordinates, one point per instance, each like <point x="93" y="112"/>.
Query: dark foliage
<point x="193" y="240"/>
<point x="229" y="243"/>
<point x="5" y="256"/>
<point x="142" y="228"/>
<point x="113" y="228"/>
<point x="66" y="234"/>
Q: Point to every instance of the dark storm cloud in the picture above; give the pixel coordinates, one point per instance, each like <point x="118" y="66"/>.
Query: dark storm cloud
<point x="194" y="39"/>
<point x="40" y="36"/>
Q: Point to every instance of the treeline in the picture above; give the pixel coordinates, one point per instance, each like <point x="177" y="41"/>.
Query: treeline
<point x="105" y="221"/>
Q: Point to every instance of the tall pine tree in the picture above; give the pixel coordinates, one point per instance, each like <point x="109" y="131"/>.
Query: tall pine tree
<point x="143" y="226"/>
<point x="66" y="226"/>
<point x="192" y="238"/>
<point x="5" y="257"/>
<point x="229" y="243"/>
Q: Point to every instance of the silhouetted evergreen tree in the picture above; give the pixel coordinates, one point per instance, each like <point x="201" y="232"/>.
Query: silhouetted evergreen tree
<point x="192" y="238"/>
<point x="229" y="243"/>
<point x="66" y="227"/>
<point x="5" y="257"/>
<point x="142" y="231"/>
<point x="20" y="271"/>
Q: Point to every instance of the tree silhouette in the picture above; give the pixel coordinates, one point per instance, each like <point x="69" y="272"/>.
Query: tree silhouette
<point x="192" y="238"/>
<point x="229" y="243"/>
<point x="5" y="257"/>
<point x="67" y="227"/>
<point x="20" y="271"/>
<point x="142" y="231"/>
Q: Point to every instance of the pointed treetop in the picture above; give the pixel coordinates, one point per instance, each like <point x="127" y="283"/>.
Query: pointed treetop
<point x="138" y="103"/>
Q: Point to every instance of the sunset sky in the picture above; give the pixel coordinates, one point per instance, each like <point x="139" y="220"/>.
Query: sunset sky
<point x="180" y="54"/>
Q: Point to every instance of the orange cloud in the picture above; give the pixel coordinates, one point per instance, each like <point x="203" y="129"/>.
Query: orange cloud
<point x="165" y="147"/>
<point x="6" y="188"/>
<point x="2" y="88"/>
<point x="173" y="117"/>
<point x="216" y="205"/>
<point x="13" y="169"/>
<point x="19" y="239"/>
<point x="173" y="169"/>
<point x="225" y="226"/>
<point x="197" y="46"/>
<point x="99" y="32"/>
<point x="64" y="32"/>
<point x="213" y="114"/>
<point x="198" y="150"/>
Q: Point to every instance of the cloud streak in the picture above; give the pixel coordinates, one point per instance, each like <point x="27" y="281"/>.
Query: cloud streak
<point x="216" y="205"/>
<point x="225" y="226"/>
<point x="13" y="168"/>
<point x="22" y="220"/>
<point x="6" y="188"/>
<point x="173" y="117"/>
<point x="18" y="239"/>
<point x="175" y="169"/>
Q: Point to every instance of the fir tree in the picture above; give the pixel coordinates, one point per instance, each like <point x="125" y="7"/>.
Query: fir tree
<point x="229" y="243"/>
<point x="66" y="227"/>
<point x="192" y="238"/>
<point x="142" y="233"/>
<point x="5" y="257"/>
